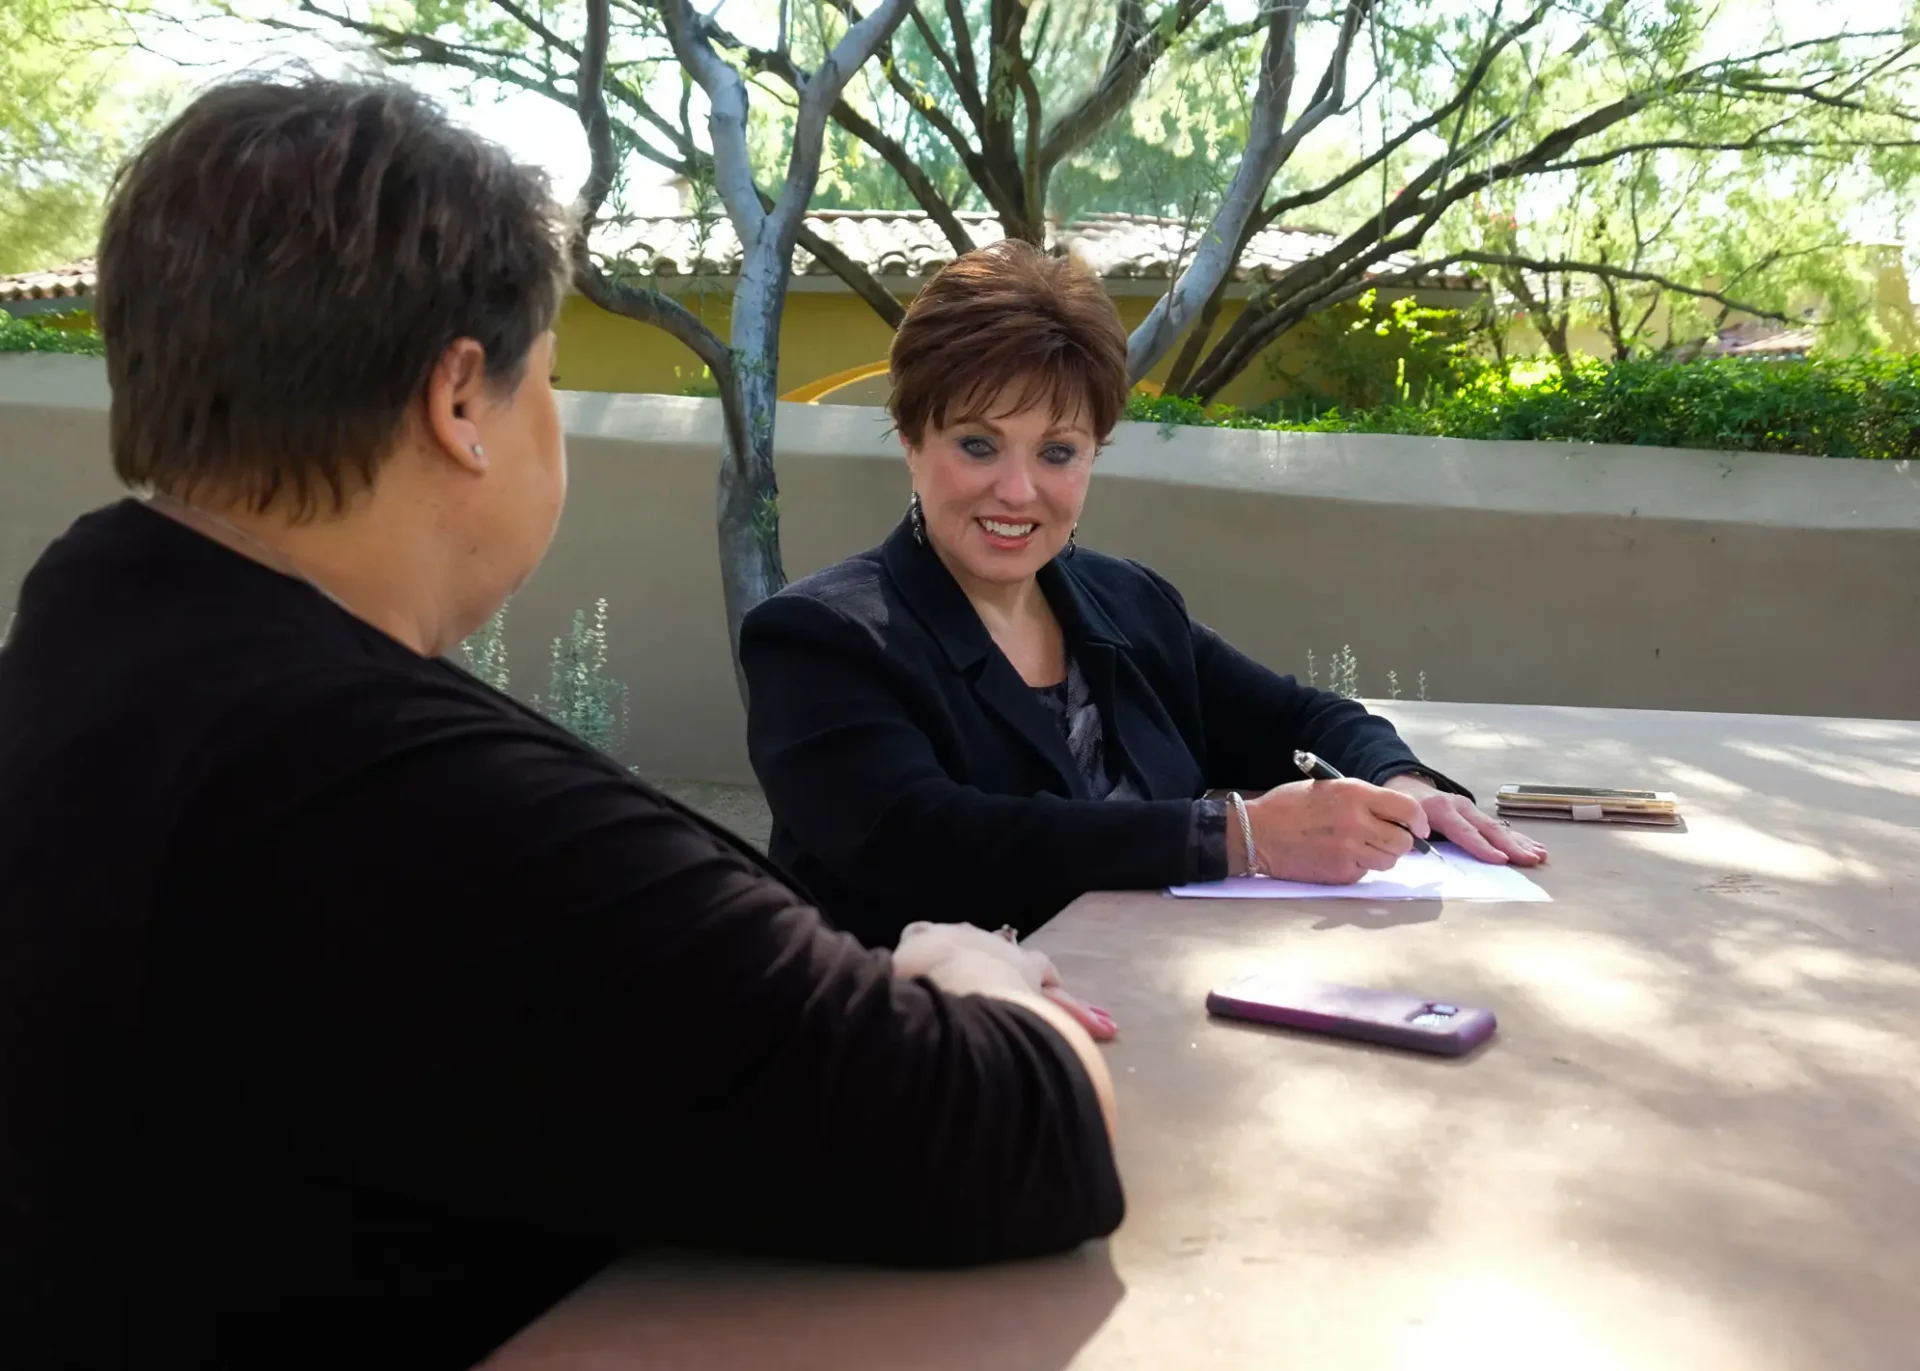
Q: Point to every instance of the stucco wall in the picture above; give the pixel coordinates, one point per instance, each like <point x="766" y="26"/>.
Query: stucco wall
<point x="1528" y="573"/>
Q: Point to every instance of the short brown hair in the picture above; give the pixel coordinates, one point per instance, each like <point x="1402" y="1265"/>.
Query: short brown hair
<point x="1005" y="316"/>
<point x="282" y="266"/>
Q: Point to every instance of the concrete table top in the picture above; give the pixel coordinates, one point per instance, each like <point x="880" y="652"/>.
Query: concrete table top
<point x="1694" y="1144"/>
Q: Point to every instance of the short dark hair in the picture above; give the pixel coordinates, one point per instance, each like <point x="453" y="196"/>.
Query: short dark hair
<point x="280" y="269"/>
<point x="1002" y="316"/>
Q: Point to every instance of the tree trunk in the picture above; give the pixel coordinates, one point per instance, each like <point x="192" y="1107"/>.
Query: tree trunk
<point x="747" y="504"/>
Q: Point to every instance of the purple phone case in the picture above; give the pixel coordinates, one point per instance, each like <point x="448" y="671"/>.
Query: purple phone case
<point x="1346" y="1011"/>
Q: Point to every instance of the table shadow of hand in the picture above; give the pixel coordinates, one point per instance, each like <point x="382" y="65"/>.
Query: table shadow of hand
<point x="708" y="1314"/>
<point x="1386" y="914"/>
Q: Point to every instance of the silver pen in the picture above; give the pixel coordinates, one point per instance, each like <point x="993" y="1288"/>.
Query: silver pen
<point x="1313" y="768"/>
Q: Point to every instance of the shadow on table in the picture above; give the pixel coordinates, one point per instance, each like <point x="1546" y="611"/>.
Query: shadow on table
<point x="708" y="1315"/>
<point x="1397" y="914"/>
<point x="1697" y="1128"/>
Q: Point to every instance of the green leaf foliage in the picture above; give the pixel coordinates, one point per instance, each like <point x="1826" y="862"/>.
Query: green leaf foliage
<point x="1861" y="407"/>
<point x="31" y="335"/>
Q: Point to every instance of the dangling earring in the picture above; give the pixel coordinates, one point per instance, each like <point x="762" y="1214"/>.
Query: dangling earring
<point x="917" y="519"/>
<point x="1072" y="533"/>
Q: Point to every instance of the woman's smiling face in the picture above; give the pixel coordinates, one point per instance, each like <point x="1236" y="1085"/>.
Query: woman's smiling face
<point x="1002" y="487"/>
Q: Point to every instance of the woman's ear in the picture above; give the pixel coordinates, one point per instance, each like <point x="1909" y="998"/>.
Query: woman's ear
<point x="455" y="396"/>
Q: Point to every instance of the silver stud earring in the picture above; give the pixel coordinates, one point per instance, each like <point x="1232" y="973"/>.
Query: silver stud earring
<point x="478" y="451"/>
<point x="917" y="519"/>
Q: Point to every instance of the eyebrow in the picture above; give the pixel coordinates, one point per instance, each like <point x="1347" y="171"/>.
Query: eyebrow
<point x="982" y="421"/>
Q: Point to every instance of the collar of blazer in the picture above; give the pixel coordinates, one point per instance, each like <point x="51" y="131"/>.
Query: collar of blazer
<point x="937" y="600"/>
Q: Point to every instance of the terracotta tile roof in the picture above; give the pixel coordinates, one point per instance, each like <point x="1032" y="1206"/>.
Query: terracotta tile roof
<point x="891" y="243"/>
<point x="907" y="243"/>
<point x="72" y="281"/>
<point x="1789" y="343"/>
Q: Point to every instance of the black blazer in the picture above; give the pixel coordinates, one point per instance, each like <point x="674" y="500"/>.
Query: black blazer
<point x="912" y="774"/>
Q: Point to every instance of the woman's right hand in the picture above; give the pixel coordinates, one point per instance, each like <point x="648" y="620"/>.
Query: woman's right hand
<point x="964" y="960"/>
<point x="1332" y="832"/>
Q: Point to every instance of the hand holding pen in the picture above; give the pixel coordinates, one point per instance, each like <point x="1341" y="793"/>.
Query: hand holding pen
<point x="1316" y="769"/>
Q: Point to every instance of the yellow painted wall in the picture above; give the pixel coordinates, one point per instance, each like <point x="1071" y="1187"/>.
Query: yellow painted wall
<point x="822" y="334"/>
<point x="819" y="335"/>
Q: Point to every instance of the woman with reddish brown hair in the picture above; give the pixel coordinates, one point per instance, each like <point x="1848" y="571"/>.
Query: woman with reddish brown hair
<point x="980" y="719"/>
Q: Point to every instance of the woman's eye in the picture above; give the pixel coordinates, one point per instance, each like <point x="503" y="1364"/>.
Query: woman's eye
<point x="976" y="447"/>
<point x="1059" y="456"/>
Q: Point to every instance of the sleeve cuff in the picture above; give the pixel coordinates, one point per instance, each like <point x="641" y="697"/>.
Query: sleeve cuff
<point x="1207" y="842"/>
<point x="1446" y="783"/>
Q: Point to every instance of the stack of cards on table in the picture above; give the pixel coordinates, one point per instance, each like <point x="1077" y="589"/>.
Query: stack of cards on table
<point x="1656" y="807"/>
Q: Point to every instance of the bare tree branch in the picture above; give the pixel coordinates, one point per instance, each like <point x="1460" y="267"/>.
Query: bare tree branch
<point x="726" y="115"/>
<point x="938" y="49"/>
<point x="968" y="87"/>
<point x="647" y="306"/>
<point x="1268" y="147"/>
<point x="817" y="100"/>
<point x="1559" y="266"/>
<point x="1137" y="48"/>
<point x="891" y="151"/>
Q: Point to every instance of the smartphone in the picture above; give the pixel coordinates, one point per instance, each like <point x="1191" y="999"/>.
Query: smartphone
<point x="1581" y="792"/>
<point x="1347" y="1011"/>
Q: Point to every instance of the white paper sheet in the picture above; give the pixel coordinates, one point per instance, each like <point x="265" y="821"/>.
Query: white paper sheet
<point x="1446" y="873"/>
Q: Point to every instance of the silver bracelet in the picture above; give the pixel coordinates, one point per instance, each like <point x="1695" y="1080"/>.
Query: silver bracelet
<point x="1239" y="804"/>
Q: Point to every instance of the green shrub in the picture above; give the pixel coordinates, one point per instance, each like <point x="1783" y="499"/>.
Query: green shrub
<point x="1865" y="407"/>
<point x="30" y="335"/>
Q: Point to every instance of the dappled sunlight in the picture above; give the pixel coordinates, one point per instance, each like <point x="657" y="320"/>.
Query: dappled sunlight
<point x="1567" y="1314"/>
<point x="1683" y="1149"/>
<point x="1759" y="962"/>
<point x="1725" y="843"/>
<point x="1588" y="981"/>
<point x="1474" y="739"/>
<point x="1869" y="730"/>
<point x="1695" y="781"/>
<point x="1900" y="773"/>
<point x="1844" y="1044"/>
<point x="1325" y="1111"/>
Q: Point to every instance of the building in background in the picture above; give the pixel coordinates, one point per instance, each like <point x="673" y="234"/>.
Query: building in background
<point x="833" y="347"/>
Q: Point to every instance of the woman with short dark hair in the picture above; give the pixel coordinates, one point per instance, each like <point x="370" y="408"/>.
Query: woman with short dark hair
<point x="980" y="711"/>
<point x="351" y="1014"/>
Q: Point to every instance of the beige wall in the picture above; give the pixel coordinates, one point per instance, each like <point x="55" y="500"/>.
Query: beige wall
<point x="1531" y="573"/>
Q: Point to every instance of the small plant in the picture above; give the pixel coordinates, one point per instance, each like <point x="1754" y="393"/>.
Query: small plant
<point x="580" y="696"/>
<point x="1343" y="676"/>
<point x="1343" y="673"/>
<point x="485" y="653"/>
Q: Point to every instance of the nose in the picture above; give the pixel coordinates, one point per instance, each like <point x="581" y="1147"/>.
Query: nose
<point x="1015" y="484"/>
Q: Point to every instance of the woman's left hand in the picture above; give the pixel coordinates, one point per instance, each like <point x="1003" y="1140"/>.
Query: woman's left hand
<point x="1460" y="821"/>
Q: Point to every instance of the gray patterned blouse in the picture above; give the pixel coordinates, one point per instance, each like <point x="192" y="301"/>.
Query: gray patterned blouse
<point x="1072" y="706"/>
